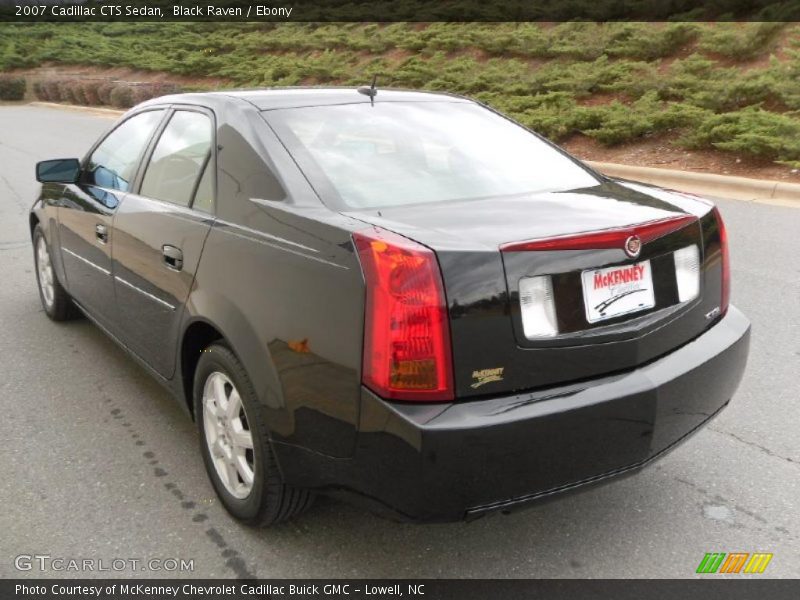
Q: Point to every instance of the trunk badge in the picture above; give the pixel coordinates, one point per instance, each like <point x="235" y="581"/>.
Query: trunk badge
<point x="633" y="246"/>
<point x="485" y="376"/>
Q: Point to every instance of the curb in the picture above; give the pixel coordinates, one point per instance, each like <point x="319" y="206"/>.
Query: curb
<point x="719" y="186"/>
<point x="98" y="110"/>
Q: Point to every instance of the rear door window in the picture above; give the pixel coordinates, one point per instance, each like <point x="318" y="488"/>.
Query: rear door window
<point x="113" y="163"/>
<point x="181" y="156"/>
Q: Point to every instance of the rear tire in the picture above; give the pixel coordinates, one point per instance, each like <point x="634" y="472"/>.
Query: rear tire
<point x="235" y="445"/>
<point x="56" y="301"/>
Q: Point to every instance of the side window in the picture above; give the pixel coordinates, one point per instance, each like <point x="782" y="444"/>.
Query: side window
<point x="179" y="159"/>
<point x="113" y="163"/>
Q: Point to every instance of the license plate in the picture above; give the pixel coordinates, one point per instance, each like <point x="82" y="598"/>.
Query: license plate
<point x="616" y="291"/>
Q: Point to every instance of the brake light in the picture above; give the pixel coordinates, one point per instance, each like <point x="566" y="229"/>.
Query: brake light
<point x="407" y="354"/>
<point x="726" y="263"/>
<point x="607" y="238"/>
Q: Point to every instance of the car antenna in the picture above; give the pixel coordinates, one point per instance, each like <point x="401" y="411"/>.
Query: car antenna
<point x="370" y="90"/>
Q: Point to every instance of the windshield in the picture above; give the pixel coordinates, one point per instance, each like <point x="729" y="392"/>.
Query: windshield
<point x="396" y="153"/>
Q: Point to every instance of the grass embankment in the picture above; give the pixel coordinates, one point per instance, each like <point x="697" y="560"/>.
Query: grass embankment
<point x="732" y="87"/>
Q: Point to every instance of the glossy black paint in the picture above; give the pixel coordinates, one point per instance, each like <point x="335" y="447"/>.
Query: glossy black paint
<point x="482" y="284"/>
<point x="149" y="290"/>
<point x="81" y="214"/>
<point x="273" y="272"/>
<point x="443" y="463"/>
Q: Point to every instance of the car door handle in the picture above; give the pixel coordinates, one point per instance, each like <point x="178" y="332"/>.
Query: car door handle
<point x="173" y="257"/>
<point x="101" y="232"/>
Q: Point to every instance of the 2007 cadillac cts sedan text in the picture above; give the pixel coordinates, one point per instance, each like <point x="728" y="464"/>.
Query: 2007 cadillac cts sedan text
<point x="398" y="297"/>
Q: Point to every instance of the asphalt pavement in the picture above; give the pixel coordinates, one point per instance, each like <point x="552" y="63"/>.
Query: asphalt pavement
<point x="98" y="462"/>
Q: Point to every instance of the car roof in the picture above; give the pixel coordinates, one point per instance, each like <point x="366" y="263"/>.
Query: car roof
<point x="296" y="97"/>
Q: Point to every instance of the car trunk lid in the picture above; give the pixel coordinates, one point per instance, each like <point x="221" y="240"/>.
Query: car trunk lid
<point x="483" y="264"/>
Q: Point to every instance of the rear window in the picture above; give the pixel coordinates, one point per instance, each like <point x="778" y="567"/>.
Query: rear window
<point x="396" y="153"/>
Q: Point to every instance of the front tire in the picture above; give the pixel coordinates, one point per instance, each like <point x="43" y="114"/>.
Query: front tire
<point x="56" y="301"/>
<point x="235" y="445"/>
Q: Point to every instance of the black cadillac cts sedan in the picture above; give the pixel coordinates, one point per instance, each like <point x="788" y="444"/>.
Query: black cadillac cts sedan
<point x="403" y="298"/>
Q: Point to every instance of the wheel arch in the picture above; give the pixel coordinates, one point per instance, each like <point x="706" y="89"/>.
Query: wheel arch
<point x="46" y="218"/>
<point x="199" y="332"/>
<point x="197" y="336"/>
<point x="33" y="221"/>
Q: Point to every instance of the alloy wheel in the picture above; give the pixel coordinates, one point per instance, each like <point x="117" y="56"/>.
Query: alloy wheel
<point x="228" y="435"/>
<point x="45" y="270"/>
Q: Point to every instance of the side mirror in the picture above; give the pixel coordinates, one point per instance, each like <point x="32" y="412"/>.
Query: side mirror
<point x="60" y="170"/>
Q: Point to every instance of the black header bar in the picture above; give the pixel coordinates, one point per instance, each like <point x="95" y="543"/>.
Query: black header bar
<point x="265" y="11"/>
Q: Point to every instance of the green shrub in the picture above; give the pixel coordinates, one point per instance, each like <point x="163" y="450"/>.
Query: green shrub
<point x="140" y="93"/>
<point x="648" y="41"/>
<point x="586" y="78"/>
<point x="52" y="88"/>
<point x="12" y="87"/>
<point x="616" y="123"/>
<point x="122" y="96"/>
<point x="11" y="58"/>
<point x="555" y="115"/>
<point x="702" y="82"/>
<point x="90" y="92"/>
<point x="577" y="40"/>
<point x="740" y="41"/>
<point x="786" y="79"/>
<point x="104" y="92"/>
<point x="751" y="131"/>
<point x="76" y="93"/>
<point x="65" y="88"/>
<point x="39" y="91"/>
<point x="604" y="79"/>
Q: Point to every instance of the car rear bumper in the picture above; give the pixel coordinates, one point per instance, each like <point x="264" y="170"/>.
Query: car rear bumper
<point x="460" y="460"/>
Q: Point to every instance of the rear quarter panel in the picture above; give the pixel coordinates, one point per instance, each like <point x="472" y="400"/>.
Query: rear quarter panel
<point x="279" y="278"/>
<point x="293" y="314"/>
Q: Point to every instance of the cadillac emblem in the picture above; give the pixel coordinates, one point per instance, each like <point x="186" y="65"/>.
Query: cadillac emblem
<point x="633" y="246"/>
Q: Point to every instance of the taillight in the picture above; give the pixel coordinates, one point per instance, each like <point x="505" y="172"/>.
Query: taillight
<point x="407" y="353"/>
<point x="726" y="263"/>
